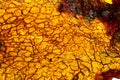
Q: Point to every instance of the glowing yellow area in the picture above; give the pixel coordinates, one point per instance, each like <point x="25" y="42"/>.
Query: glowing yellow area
<point x="42" y="44"/>
<point x="109" y="1"/>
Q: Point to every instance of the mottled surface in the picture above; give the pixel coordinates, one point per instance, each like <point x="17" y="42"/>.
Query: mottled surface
<point x="39" y="43"/>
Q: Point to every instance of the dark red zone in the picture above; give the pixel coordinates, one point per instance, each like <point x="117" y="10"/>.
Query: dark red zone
<point x="108" y="75"/>
<point x="113" y="19"/>
<point x="65" y="6"/>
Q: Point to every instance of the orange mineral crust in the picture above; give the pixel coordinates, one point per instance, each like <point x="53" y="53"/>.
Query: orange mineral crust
<point x="38" y="42"/>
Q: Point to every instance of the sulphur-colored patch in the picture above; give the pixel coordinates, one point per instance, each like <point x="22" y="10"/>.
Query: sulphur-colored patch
<point x="1" y="20"/>
<point x="29" y="48"/>
<point x="11" y="10"/>
<point x="6" y="16"/>
<point x="31" y="30"/>
<point x="11" y="19"/>
<point x="28" y="1"/>
<point x="109" y="1"/>
<point x="28" y="19"/>
<point x="6" y="26"/>
<point x="34" y="10"/>
<point x="28" y="59"/>
<point x="18" y="13"/>
<point x="96" y="66"/>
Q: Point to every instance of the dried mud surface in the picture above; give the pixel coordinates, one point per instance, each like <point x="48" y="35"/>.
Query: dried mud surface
<point x="37" y="42"/>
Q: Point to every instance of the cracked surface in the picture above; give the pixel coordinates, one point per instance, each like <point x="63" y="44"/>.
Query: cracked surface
<point x="39" y="43"/>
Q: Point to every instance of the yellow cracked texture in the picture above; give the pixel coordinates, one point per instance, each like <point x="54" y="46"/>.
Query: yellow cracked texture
<point x="2" y="11"/>
<point x="41" y="43"/>
<point x="34" y="10"/>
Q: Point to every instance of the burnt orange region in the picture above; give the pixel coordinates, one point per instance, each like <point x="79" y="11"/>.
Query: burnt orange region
<point x="39" y="43"/>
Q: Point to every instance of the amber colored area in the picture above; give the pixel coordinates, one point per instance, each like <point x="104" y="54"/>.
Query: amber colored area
<point x="39" y="43"/>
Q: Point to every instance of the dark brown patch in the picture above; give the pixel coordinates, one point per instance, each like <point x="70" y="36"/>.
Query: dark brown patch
<point x="108" y="75"/>
<point x="75" y="77"/>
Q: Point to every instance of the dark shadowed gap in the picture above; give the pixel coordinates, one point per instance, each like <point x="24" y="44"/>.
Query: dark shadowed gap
<point x="76" y="77"/>
<point x="109" y="75"/>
